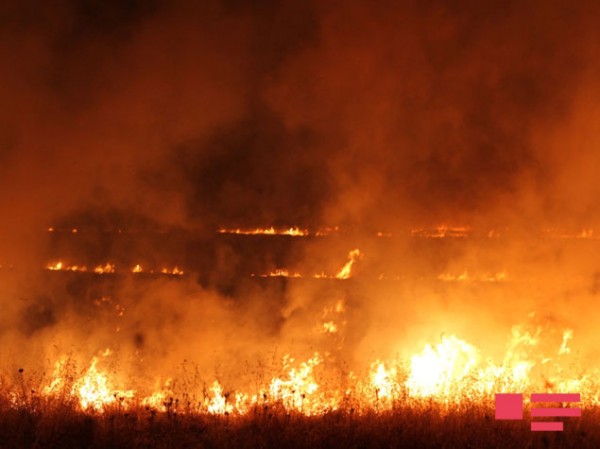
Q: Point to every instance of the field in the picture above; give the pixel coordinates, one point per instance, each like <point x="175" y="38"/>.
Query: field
<point x="420" y="425"/>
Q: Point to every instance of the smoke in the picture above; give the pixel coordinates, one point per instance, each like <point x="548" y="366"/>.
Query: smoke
<point x="183" y="117"/>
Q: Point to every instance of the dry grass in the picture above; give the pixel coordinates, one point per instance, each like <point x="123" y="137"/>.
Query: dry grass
<point x="55" y="424"/>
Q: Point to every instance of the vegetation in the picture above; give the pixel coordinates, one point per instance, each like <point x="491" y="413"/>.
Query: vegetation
<point x="60" y="424"/>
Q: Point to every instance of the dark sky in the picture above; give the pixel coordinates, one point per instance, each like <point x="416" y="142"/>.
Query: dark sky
<point x="200" y="114"/>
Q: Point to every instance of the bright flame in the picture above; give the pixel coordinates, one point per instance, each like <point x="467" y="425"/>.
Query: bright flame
<point x="450" y="371"/>
<point x="441" y="231"/>
<point x="293" y="231"/>
<point x="175" y="271"/>
<point x="437" y="371"/>
<point x="61" y="266"/>
<point x="102" y="269"/>
<point x="346" y="270"/>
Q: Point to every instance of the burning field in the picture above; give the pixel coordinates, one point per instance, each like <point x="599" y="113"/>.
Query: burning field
<point x="299" y="224"/>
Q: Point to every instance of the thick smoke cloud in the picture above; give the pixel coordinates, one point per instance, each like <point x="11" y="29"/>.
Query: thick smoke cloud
<point x="373" y="116"/>
<point x="298" y="113"/>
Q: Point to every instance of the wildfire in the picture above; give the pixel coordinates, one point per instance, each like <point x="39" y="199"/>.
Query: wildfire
<point x="280" y="272"/>
<point x="449" y="371"/>
<point x="293" y="231"/>
<point x="464" y="276"/>
<point x="438" y="371"/>
<point x="107" y="268"/>
<point x="60" y="266"/>
<point x="346" y="270"/>
<point x="174" y="272"/>
<point x="441" y="231"/>
<point x="585" y="234"/>
<point x="93" y="390"/>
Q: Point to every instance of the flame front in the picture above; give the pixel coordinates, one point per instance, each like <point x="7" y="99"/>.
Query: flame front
<point x="448" y="372"/>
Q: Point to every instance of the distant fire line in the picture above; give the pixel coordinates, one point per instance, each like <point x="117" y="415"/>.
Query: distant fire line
<point x="110" y="268"/>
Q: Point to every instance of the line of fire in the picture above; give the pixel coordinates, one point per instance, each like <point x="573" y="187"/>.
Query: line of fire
<point x="299" y="223"/>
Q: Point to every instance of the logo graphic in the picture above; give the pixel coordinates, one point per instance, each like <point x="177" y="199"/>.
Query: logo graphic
<point x="509" y="406"/>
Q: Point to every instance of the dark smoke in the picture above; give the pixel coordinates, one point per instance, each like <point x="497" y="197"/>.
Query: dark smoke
<point x="182" y="116"/>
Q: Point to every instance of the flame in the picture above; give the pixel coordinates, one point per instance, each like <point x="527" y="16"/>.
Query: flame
<point x="107" y="268"/>
<point x="61" y="266"/>
<point x="137" y="269"/>
<point x="346" y="270"/>
<point x="450" y="371"/>
<point x="383" y="381"/>
<point x="95" y="391"/>
<point x="281" y="272"/>
<point x="300" y="390"/>
<point x="500" y="276"/>
<point x="584" y="234"/>
<point x="293" y="231"/>
<point x="441" y="231"/>
<point x="437" y="371"/>
<point x="323" y="232"/>
<point x="344" y="273"/>
<point x="175" y="271"/>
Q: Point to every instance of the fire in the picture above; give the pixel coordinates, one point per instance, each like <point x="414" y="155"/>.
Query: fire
<point x="93" y="390"/>
<point x="441" y="231"/>
<point x="281" y="272"/>
<point x="107" y="268"/>
<point x="439" y="370"/>
<point x="293" y="231"/>
<point x="323" y="232"/>
<point x="300" y="390"/>
<point x="464" y="276"/>
<point x="137" y="269"/>
<point x="332" y="319"/>
<point x="218" y="404"/>
<point x="449" y="371"/>
<point x="60" y="266"/>
<point x="346" y="271"/>
<point x="584" y="234"/>
<point x="175" y="271"/>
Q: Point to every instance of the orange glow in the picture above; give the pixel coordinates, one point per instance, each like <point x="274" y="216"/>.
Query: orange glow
<point x="107" y="268"/>
<point x="61" y="266"/>
<point x="464" y="276"/>
<point x="441" y="231"/>
<point x="584" y="234"/>
<point x="293" y="231"/>
<point x="449" y="371"/>
<point x="346" y="271"/>
<point x="175" y="271"/>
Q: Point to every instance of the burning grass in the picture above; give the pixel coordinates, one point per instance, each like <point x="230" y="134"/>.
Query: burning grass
<point x="423" y="424"/>
<point x="437" y="400"/>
